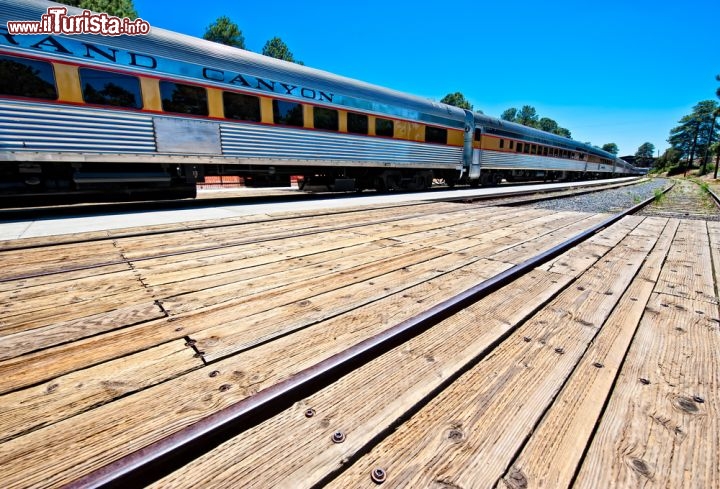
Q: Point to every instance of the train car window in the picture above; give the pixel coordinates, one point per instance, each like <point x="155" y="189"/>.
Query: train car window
<point x="435" y="135"/>
<point x="183" y="99"/>
<point x="511" y="144"/>
<point x="478" y="134"/>
<point x="502" y="143"/>
<point x="325" y="118"/>
<point x="533" y="149"/>
<point x="241" y="107"/>
<point x="526" y="149"/>
<point x="108" y="88"/>
<point x="545" y="150"/>
<point x="357" y="123"/>
<point x="27" y="78"/>
<point x="288" y="113"/>
<point x="519" y="147"/>
<point x="384" y="127"/>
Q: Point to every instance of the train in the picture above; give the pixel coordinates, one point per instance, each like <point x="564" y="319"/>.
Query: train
<point x="158" y="113"/>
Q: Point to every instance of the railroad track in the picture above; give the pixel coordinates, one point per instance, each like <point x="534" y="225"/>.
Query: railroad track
<point x="687" y="200"/>
<point x="520" y="196"/>
<point x="361" y="358"/>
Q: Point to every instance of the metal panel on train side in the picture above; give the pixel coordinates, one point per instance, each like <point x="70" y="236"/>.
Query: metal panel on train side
<point x="187" y="136"/>
<point x="282" y="143"/>
<point x="514" y="161"/>
<point x="41" y="127"/>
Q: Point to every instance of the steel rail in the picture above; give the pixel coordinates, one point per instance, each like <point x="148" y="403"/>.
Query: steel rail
<point x="591" y="187"/>
<point x="262" y="240"/>
<point x="161" y="457"/>
<point x="715" y="196"/>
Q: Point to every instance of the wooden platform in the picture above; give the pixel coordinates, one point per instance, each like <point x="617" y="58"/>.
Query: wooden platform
<point x="598" y="369"/>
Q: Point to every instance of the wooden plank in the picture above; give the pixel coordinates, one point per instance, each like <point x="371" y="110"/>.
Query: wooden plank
<point x="256" y="296"/>
<point x="94" y="438"/>
<point x="366" y="402"/>
<point x="43" y="365"/>
<point x="14" y="285"/>
<point x="69" y="294"/>
<point x="47" y="316"/>
<point x="714" y="236"/>
<point x="60" y="332"/>
<point x="574" y="261"/>
<point x="663" y="431"/>
<point x="552" y="454"/>
<point x="468" y="434"/>
<point x="148" y="246"/>
<point x="61" y="398"/>
<point x="320" y="269"/>
<point x="657" y="434"/>
<point x="48" y="260"/>
<point x="545" y="237"/>
<point x="689" y="259"/>
<point x="235" y="336"/>
<point x="332" y="238"/>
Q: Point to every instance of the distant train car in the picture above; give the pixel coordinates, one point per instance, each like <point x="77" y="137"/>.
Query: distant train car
<point x="158" y="112"/>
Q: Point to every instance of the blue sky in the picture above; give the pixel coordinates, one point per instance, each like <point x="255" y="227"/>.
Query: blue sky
<point x="622" y="71"/>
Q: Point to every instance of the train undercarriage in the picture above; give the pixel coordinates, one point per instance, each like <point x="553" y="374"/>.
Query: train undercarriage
<point x="26" y="183"/>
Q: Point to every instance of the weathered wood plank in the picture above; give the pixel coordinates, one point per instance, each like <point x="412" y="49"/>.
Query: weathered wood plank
<point x="47" y="316"/>
<point x="545" y="237"/>
<point x="234" y="336"/>
<point x="321" y="269"/>
<point x="48" y="260"/>
<point x="689" y="259"/>
<point x="16" y="285"/>
<point x="60" y="332"/>
<point x="661" y="426"/>
<point x="94" y="438"/>
<point x="37" y="300"/>
<point x="66" y="396"/>
<point x="369" y="400"/>
<point x="714" y="236"/>
<point x="573" y="262"/>
<point x="552" y="454"/>
<point x="142" y="247"/>
<point x="468" y="434"/>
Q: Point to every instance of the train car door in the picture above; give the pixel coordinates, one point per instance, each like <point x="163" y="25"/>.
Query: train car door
<point x="472" y="146"/>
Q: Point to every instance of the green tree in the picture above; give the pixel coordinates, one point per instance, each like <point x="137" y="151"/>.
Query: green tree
<point x="696" y="131"/>
<point x="458" y="100"/>
<point x="527" y="116"/>
<point x="225" y="31"/>
<point x="611" y="148"/>
<point x="669" y="158"/>
<point x="644" y="154"/>
<point x="548" y="125"/>
<point x="509" y="115"/>
<point x="561" y="131"/>
<point x="276" y="48"/>
<point x="118" y="8"/>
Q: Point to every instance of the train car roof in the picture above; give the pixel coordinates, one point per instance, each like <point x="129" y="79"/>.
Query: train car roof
<point x="502" y="127"/>
<point x="187" y="49"/>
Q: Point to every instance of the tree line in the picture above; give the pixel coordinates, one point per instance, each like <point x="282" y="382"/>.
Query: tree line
<point x="694" y="141"/>
<point x="225" y="31"/>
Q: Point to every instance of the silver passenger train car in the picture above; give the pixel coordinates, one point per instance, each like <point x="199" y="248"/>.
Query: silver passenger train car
<point x="87" y="113"/>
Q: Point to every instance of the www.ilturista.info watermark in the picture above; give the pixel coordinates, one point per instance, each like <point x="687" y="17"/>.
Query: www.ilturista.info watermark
<point x="57" y="21"/>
